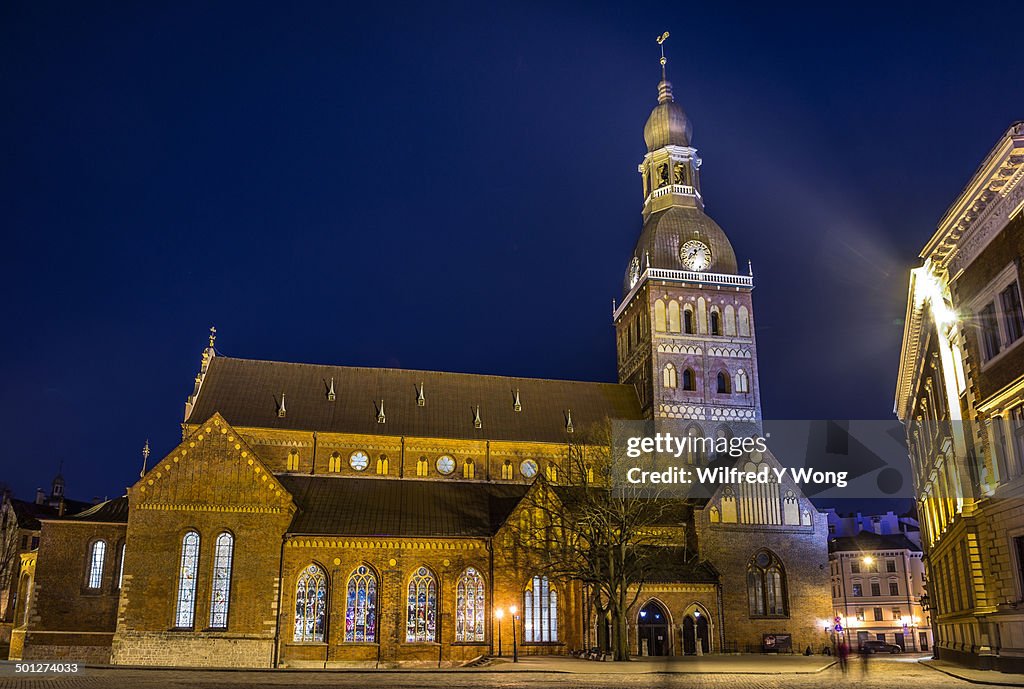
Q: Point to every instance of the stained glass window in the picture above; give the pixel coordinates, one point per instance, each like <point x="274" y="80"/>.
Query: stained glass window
<point x="361" y="606"/>
<point x="766" y="586"/>
<point x="186" y="609"/>
<point x="96" y="555"/>
<point x="540" y="612"/>
<point x="311" y="604"/>
<point x="421" y="619"/>
<point x="469" y="607"/>
<point x="120" y="571"/>
<point x="221" y="595"/>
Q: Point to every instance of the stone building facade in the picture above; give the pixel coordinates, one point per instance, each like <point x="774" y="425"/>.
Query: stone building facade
<point x="961" y="397"/>
<point x="315" y="516"/>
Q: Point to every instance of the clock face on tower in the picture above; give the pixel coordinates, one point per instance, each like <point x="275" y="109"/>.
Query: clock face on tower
<point x="695" y="255"/>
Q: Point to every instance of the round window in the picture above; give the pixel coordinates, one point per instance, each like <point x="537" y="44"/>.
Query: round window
<point x="528" y="468"/>
<point x="358" y="460"/>
<point x="445" y="464"/>
<point x="762" y="559"/>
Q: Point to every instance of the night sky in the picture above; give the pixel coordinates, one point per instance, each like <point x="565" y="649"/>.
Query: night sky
<point x="451" y="187"/>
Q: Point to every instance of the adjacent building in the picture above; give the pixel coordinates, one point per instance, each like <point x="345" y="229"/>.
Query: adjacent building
<point x="960" y="395"/>
<point x="330" y="515"/>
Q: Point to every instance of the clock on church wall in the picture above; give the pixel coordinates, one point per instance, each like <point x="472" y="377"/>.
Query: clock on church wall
<point x="695" y="255"/>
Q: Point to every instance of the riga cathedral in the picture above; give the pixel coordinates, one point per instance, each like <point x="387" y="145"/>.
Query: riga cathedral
<point x="328" y="516"/>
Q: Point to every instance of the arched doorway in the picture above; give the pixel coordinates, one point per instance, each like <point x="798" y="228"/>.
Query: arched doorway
<point x="696" y="627"/>
<point x="652" y="630"/>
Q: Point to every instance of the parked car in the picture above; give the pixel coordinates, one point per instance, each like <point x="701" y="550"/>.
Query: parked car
<point x="875" y="646"/>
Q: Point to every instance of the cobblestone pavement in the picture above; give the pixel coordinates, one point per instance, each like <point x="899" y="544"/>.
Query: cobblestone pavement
<point x="900" y="672"/>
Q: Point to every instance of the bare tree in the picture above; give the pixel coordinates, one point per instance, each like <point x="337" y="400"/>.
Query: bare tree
<point x="591" y="529"/>
<point x="9" y="554"/>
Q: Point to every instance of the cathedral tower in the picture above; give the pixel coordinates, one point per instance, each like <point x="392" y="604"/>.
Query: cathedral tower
<point x="685" y="325"/>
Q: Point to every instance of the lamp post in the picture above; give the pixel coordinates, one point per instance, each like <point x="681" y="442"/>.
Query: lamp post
<point x="499" y="614"/>
<point x="515" y="643"/>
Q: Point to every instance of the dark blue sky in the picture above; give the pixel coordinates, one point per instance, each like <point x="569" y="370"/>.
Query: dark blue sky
<point x="451" y="187"/>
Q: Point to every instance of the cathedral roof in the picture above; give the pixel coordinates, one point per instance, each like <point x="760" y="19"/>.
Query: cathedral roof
<point x="414" y="508"/>
<point x="108" y="511"/>
<point x="247" y="393"/>
<point x="867" y="541"/>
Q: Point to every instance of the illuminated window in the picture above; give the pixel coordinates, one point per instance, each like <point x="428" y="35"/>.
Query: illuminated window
<point x="669" y="376"/>
<point x="96" y="555"/>
<point x="469" y="469"/>
<point x="361" y="606"/>
<point x="422" y="467"/>
<point x="421" y="608"/>
<point x="551" y="472"/>
<point x="673" y="316"/>
<point x="293" y="460"/>
<point x="220" y="596"/>
<point x="470" y="607"/>
<point x="528" y="468"/>
<point x="766" y="585"/>
<point x="659" y="316"/>
<point x="540" y="612"/>
<point x="506" y="470"/>
<point x="120" y="570"/>
<point x="311" y="605"/>
<point x="184" y="616"/>
<point x="742" y="382"/>
<point x="334" y="463"/>
<point x="383" y="465"/>
<point x="358" y="460"/>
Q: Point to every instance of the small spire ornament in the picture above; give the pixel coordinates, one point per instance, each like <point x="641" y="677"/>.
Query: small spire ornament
<point x="281" y="411"/>
<point x="145" y="458"/>
<point x="420" y="399"/>
<point x="213" y="335"/>
<point x="516" y="404"/>
<point x="477" y="422"/>
<point x="330" y="391"/>
<point x="380" y="413"/>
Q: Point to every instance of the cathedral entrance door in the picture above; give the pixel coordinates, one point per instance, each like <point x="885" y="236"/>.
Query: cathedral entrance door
<point x="652" y="628"/>
<point x="689" y="636"/>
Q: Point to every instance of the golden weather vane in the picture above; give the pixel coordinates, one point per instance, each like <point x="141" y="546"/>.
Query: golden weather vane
<point x="661" y="44"/>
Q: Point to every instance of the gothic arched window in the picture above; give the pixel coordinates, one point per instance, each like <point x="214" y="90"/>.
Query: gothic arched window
<point x="334" y="463"/>
<point x="293" y="460"/>
<point x="688" y="319"/>
<point x="97" y="553"/>
<point x="422" y="467"/>
<point x="551" y="472"/>
<point x="185" y="610"/>
<point x="673" y="316"/>
<point x="469" y="469"/>
<point x="724" y="386"/>
<point x="540" y="612"/>
<point x="383" y="465"/>
<point x="506" y="470"/>
<point x="742" y="381"/>
<point x="669" y="376"/>
<point x="695" y="445"/>
<point x="120" y="569"/>
<point x="469" y="607"/>
<point x="220" y="598"/>
<point x="659" y="316"/>
<point x="361" y="605"/>
<point x="743" y="322"/>
<point x="716" y="323"/>
<point x="766" y="585"/>
<point x="311" y="604"/>
<point x="689" y="380"/>
<point x="421" y="610"/>
<point x="730" y="320"/>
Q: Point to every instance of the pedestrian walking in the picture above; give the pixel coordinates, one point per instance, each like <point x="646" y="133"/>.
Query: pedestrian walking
<point x="844" y="655"/>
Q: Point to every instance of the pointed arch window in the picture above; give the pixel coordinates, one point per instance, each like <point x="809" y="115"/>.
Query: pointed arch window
<point x="730" y="320"/>
<point x="695" y="445"/>
<point x="470" y="607"/>
<point x="468" y="469"/>
<point x="120" y="568"/>
<point x="766" y="585"/>
<point x="220" y="596"/>
<point x="724" y="385"/>
<point x="673" y="316"/>
<point x="659" y="316"/>
<point x="421" y="609"/>
<point x="383" y="465"/>
<point x="743" y="322"/>
<point x="293" y="460"/>
<point x="334" y="463"/>
<point x="716" y="322"/>
<point x="311" y="604"/>
<point x="551" y="472"/>
<point x="742" y="381"/>
<point x="688" y="319"/>
<point x="97" y="553"/>
<point x="422" y="467"/>
<point x="185" y="610"/>
<point x="506" y="470"/>
<point x="540" y="612"/>
<point x="670" y="376"/>
<point x="361" y="605"/>
<point x="689" y="380"/>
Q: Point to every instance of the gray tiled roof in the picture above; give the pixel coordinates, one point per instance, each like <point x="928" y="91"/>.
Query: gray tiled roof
<point x="110" y="511"/>
<point x="346" y="506"/>
<point x="247" y="393"/>
<point x="868" y="541"/>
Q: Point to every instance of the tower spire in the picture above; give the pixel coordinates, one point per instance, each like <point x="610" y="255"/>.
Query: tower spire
<point x="145" y="458"/>
<point x="664" y="86"/>
<point x="661" y="44"/>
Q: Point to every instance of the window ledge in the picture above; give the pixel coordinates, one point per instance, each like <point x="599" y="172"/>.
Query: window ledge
<point x="1002" y="353"/>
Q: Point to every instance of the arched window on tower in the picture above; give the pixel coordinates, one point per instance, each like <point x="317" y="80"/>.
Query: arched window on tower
<point x="470" y="607"/>
<point x="766" y="585"/>
<point x="669" y="376"/>
<point x="716" y="322"/>
<point x="540" y="612"/>
<point x="421" y="613"/>
<point x="743" y="322"/>
<point x="185" y="612"/>
<point x="694" y="445"/>
<point x="724" y="385"/>
<point x="688" y="320"/>
<point x="730" y="320"/>
<point x="310" y="605"/>
<point x="689" y="380"/>
<point x="361" y="606"/>
<point x="742" y="381"/>
<point x="659" y="315"/>
<point x="673" y="316"/>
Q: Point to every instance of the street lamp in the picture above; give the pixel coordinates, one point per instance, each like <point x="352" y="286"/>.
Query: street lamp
<point x="515" y="644"/>
<point x="499" y="614"/>
<point x="868" y="560"/>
